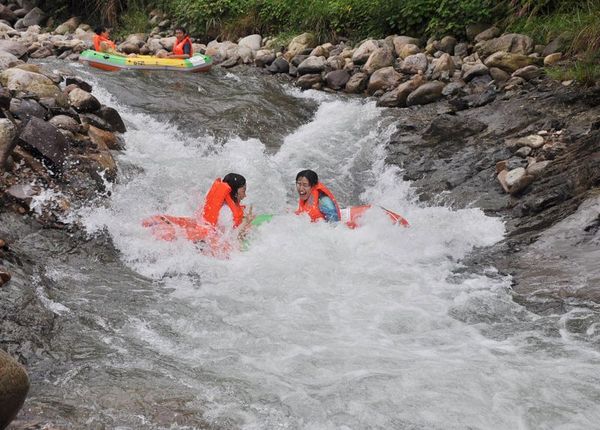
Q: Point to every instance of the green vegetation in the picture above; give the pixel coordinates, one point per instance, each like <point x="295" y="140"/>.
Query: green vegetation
<point x="576" y="23"/>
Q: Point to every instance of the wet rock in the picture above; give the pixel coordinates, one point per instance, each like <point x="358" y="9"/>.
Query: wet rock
<point x="104" y="140"/>
<point x="113" y="118"/>
<point x="452" y="127"/>
<point x="309" y="81"/>
<point x="74" y="80"/>
<point x="22" y="193"/>
<point x="426" y="93"/>
<point x="337" y="79"/>
<point x="383" y="79"/>
<point x="23" y="109"/>
<point x="46" y="140"/>
<point x="280" y="65"/>
<point x="64" y="122"/>
<point x="357" y="83"/>
<point x="83" y="101"/>
<point x="22" y="80"/>
<point x="14" y="385"/>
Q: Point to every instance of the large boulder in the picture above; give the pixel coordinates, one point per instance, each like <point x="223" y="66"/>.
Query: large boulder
<point x="357" y="83"/>
<point x="312" y="65"/>
<point x="380" y="58"/>
<point x="112" y="117"/>
<point x="7" y="60"/>
<point x="513" y="43"/>
<point x="35" y="16"/>
<point x="83" y="101"/>
<point x="414" y="64"/>
<point x="69" y="26"/>
<point x="254" y="42"/>
<point x="23" y="80"/>
<point x="45" y="140"/>
<point x="426" y="93"/>
<point x="337" y="79"/>
<point x="364" y="51"/>
<point x="384" y="79"/>
<point x="300" y="44"/>
<point x="508" y="61"/>
<point x="397" y="97"/>
<point x="16" y="48"/>
<point x="400" y="41"/>
<point x="14" y="385"/>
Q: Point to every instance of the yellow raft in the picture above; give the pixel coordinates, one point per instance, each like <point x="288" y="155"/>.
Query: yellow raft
<point x="105" y="61"/>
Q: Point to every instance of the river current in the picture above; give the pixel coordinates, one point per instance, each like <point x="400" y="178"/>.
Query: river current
<point x="314" y="326"/>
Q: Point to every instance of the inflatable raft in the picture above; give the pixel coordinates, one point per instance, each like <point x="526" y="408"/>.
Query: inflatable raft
<point x="168" y="227"/>
<point x="104" y="61"/>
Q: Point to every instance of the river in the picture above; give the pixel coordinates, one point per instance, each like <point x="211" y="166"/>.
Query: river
<point x="314" y="326"/>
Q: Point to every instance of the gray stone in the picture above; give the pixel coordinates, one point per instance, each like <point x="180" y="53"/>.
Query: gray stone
<point x="384" y="79"/>
<point x="46" y="140"/>
<point x="312" y="65"/>
<point x="357" y="83"/>
<point x="426" y="93"/>
<point x="397" y="97"/>
<point x="337" y="79"/>
<point x="24" y="108"/>
<point x="8" y="132"/>
<point x="113" y="118"/>
<point x="83" y="101"/>
<point x="8" y="60"/>
<point x="15" y="48"/>
<point x="380" y="58"/>
<point x="309" y="81"/>
<point x="35" y="17"/>
<point x="414" y="64"/>
<point x="64" y="122"/>
<point x="264" y="57"/>
<point x="364" y="51"/>
<point x="280" y="65"/>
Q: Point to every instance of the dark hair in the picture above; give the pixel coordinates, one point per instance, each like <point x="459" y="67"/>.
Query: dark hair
<point x="236" y="182"/>
<point x="99" y="30"/>
<point x="182" y="29"/>
<point x="313" y="178"/>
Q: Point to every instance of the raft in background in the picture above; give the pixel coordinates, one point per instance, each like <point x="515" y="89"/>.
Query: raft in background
<point x="110" y="62"/>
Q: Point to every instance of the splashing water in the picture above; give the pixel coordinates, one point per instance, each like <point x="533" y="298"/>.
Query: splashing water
<point x="315" y="326"/>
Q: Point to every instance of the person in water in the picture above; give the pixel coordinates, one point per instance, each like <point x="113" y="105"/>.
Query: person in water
<point x="315" y="199"/>
<point x="222" y="205"/>
<point x="183" y="45"/>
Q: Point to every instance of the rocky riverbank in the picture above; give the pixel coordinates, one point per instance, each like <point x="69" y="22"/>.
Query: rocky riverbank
<point x="478" y="125"/>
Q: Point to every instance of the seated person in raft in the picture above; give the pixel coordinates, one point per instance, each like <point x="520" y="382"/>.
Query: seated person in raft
<point x="102" y="42"/>
<point x="315" y="199"/>
<point x="222" y="205"/>
<point x="182" y="47"/>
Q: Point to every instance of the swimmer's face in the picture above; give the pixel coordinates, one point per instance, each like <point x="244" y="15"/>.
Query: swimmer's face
<point x="303" y="187"/>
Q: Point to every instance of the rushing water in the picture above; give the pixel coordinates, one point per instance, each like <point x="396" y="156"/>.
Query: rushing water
<point x="314" y="326"/>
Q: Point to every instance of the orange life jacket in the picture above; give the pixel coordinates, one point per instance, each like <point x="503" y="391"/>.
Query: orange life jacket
<point x="178" y="47"/>
<point x="220" y="193"/>
<point x="312" y="208"/>
<point x="98" y="39"/>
